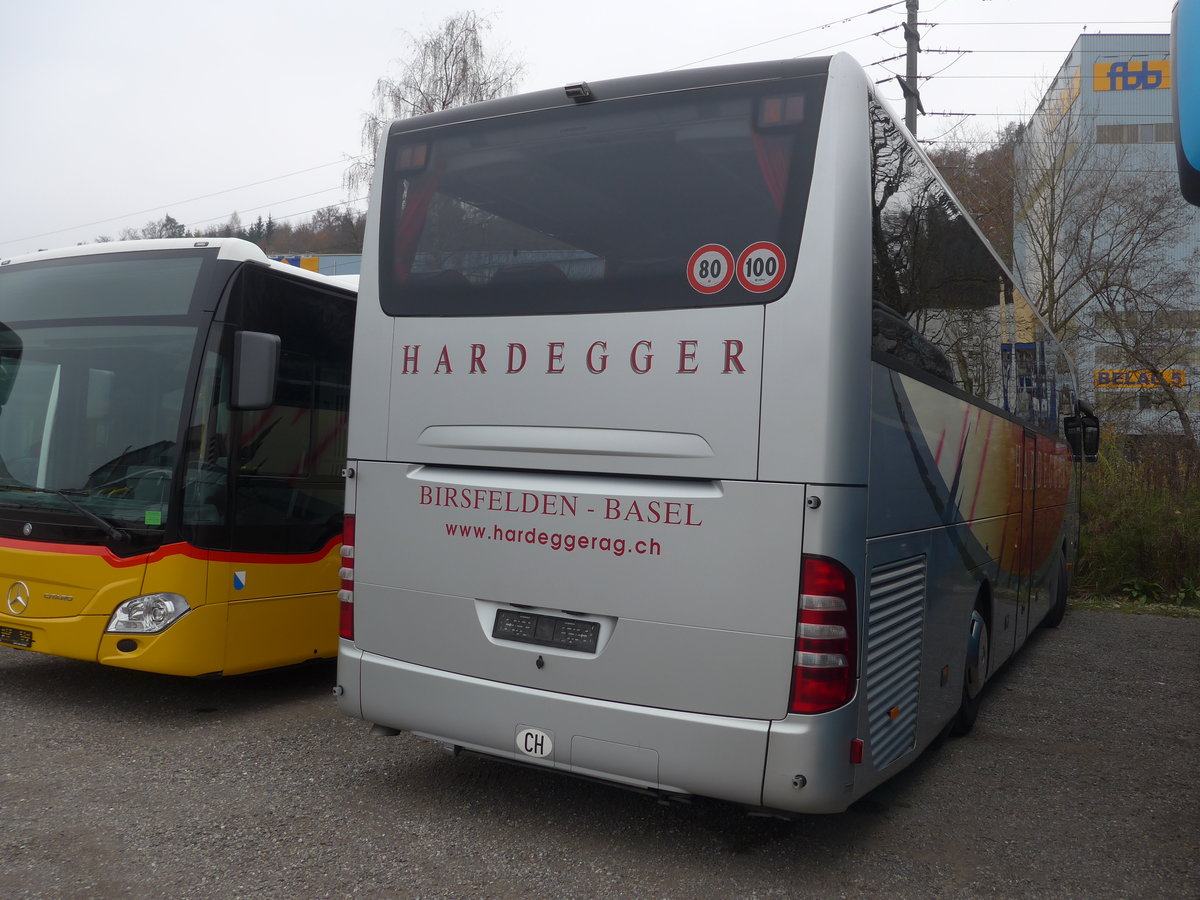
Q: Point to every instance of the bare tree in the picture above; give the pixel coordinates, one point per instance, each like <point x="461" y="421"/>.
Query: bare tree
<point x="1143" y="314"/>
<point x="448" y="66"/>
<point x="1104" y="249"/>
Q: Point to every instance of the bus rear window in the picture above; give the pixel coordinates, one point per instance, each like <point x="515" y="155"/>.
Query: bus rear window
<point x="665" y="201"/>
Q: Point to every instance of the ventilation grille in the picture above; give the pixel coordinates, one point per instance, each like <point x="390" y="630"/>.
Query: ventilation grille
<point x="895" y="625"/>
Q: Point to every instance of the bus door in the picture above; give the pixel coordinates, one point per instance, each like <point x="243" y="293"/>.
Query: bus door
<point x="267" y="482"/>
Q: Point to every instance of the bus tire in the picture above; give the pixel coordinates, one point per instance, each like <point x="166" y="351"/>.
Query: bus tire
<point x="1059" y="609"/>
<point x="975" y="671"/>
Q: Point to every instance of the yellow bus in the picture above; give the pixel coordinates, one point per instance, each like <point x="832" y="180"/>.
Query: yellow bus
<point x="172" y="436"/>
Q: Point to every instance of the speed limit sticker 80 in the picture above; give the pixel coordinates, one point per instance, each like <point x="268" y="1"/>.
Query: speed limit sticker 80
<point x="710" y="269"/>
<point x="760" y="268"/>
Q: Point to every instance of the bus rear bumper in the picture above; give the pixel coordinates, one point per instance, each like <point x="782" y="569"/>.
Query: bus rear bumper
<point x="674" y="752"/>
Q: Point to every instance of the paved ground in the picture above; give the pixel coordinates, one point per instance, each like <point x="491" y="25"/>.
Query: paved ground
<point x="1080" y="780"/>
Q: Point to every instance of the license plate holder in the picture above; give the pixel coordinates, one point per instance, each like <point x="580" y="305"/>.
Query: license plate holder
<point x="16" y="637"/>
<point x="546" y="631"/>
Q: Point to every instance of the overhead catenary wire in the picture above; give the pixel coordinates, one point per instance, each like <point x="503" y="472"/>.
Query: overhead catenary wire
<point x="1158" y="22"/>
<point x="875" y="10"/>
<point x="783" y="37"/>
<point x="166" y="206"/>
<point x="283" y="218"/>
<point x="265" y="206"/>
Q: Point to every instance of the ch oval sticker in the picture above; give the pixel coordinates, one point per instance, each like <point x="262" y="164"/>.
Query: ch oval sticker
<point x="534" y="742"/>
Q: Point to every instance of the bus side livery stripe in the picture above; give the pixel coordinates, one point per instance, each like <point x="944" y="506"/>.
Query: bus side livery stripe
<point x="180" y="549"/>
<point x="987" y="443"/>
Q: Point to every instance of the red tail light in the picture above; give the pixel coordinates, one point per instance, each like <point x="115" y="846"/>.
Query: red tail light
<point x="826" y="637"/>
<point x="346" y="574"/>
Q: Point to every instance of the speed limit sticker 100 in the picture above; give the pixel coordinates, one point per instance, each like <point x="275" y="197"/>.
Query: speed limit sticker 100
<point x="760" y="267"/>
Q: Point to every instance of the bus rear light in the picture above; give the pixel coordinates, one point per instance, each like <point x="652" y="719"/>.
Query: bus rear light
<point x="821" y="632"/>
<point x="823" y="675"/>
<point x="821" y="660"/>
<point x="346" y="574"/>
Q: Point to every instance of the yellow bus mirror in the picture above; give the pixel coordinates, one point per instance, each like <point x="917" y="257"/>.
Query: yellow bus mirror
<point x="255" y="368"/>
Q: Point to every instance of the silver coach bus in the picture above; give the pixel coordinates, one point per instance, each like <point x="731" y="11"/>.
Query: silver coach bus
<point x="698" y="442"/>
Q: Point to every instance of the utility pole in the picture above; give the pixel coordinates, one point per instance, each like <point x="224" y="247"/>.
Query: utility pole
<point x="908" y="84"/>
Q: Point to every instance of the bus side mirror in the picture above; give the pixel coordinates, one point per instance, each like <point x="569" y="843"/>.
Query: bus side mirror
<point x="255" y="369"/>
<point x="10" y="360"/>
<point x="1083" y="435"/>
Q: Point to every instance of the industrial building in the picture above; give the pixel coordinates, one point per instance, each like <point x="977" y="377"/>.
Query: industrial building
<point x="1103" y="244"/>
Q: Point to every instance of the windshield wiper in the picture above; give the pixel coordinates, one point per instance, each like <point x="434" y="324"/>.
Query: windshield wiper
<point x="111" y="531"/>
<point x="114" y="533"/>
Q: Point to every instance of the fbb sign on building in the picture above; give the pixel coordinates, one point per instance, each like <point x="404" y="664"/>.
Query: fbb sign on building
<point x="1132" y="75"/>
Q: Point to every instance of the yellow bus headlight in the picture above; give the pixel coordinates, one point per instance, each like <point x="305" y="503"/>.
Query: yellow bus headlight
<point x="147" y="614"/>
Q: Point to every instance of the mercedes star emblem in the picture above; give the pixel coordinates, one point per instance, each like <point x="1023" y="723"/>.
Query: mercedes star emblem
<point x="18" y="598"/>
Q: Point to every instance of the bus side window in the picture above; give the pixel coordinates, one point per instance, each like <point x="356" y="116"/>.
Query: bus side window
<point x="942" y="303"/>
<point x="892" y="334"/>
<point x="287" y="459"/>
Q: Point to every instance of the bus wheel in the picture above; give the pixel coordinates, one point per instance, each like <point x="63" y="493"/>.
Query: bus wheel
<point x="975" y="672"/>
<point x="1059" y="609"/>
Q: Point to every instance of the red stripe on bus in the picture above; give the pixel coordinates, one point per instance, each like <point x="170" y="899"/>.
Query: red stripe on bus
<point x="180" y="549"/>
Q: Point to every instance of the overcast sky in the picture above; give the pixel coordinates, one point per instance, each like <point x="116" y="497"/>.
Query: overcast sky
<point x="115" y="114"/>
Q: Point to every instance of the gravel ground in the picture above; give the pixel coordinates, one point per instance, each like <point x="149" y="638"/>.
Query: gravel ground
<point x="1080" y="780"/>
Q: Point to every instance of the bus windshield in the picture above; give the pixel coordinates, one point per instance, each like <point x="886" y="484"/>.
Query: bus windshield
<point x="96" y="356"/>
<point x="600" y="206"/>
